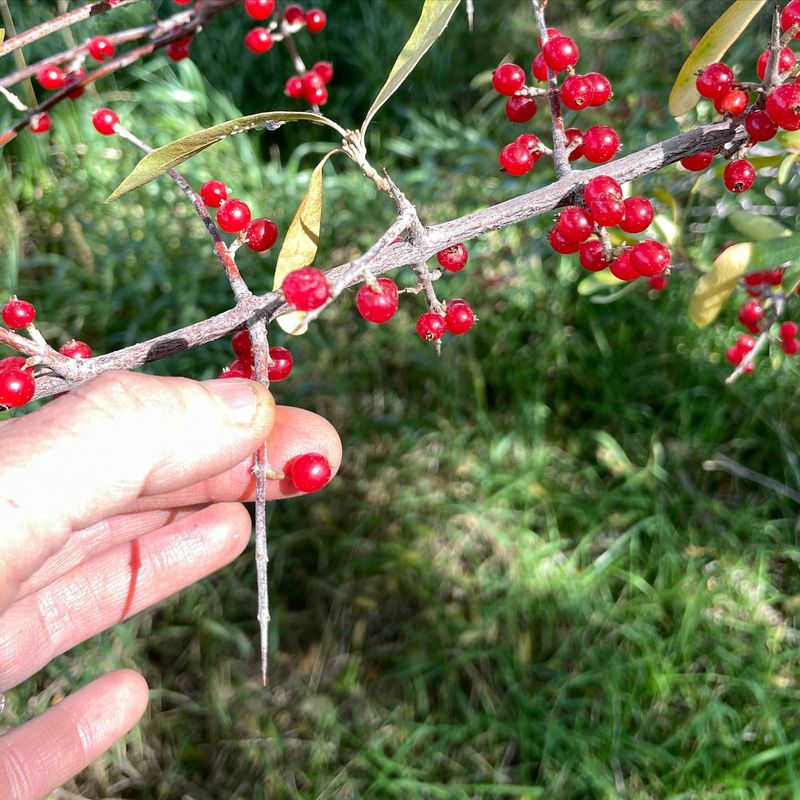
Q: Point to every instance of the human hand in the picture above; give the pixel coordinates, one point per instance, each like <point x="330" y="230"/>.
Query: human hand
<point x="127" y="469"/>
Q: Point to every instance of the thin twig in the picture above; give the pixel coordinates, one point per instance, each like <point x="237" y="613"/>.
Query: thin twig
<point x="732" y="467"/>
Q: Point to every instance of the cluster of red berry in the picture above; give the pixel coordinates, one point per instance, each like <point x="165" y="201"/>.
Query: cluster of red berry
<point x="776" y="105"/>
<point x="233" y="216"/>
<point x="280" y="360"/>
<point x="17" y="382"/>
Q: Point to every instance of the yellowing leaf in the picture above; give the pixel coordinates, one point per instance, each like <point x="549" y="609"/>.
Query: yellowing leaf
<point x="2" y="35"/>
<point x="432" y="21"/>
<point x="714" y="288"/>
<point x="714" y="44"/>
<point x="170" y="155"/>
<point x="300" y="244"/>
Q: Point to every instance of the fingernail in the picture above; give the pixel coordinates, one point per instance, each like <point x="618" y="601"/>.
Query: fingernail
<point x="238" y="395"/>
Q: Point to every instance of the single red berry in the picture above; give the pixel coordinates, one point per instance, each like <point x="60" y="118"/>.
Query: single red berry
<point x="177" y="2"/>
<point x="259" y="9"/>
<point x="638" y="215"/>
<point x="751" y="313"/>
<point x="734" y="355"/>
<point x="621" y="267"/>
<point x="242" y="346"/>
<point x="596" y="187"/>
<point x="18" y="314"/>
<point x="309" y="472"/>
<point x="539" y="68"/>
<point x="560" y="52"/>
<point x="508" y="79"/>
<point x="783" y="106"/>
<point x="177" y="51"/>
<point x="592" y="257"/>
<point x="774" y="277"/>
<point x="560" y="244"/>
<point x="315" y="20"/>
<point x="699" y="161"/>
<point x="572" y="134"/>
<point x="312" y="80"/>
<point x="650" y="258"/>
<point x="600" y="143"/>
<point x="754" y="278"/>
<point x="739" y="175"/>
<point x="532" y="143"/>
<point x="790" y="16"/>
<point x="790" y="346"/>
<point x="745" y="342"/>
<point x="214" y="193"/>
<point x="258" y="40"/>
<point x="715" y="80"/>
<point x="294" y="87"/>
<point x="74" y="77"/>
<point x="431" y="327"/>
<point x="237" y="369"/>
<point x="608" y="210"/>
<point x="40" y="123"/>
<point x="317" y="96"/>
<point x="453" y="258"/>
<point x="11" y="362"/>
<point x="788" y="330"/>
<point x="601" y="88"/>
<point x="294" y="15"/>
<point x="516" y="159"/>
<point x="233" y="215"/>
<point x="325" y="70"/>
<point x="657" y="283"/>
<point x="520" y="109"/>
<point x="551" y="34"/>
<point x="101" y="48"/>
<point x="104" y="121"/>
<point x="786" y="60"/>
<point x="17" y="387"/>
<point x="378" y="306"/>
<point x="459" y="318"/>
<point x="51" y="77"/>
<point x="306" y="289"/>
<point x="281" y="364"/>
<point x="574" y="225"/>
<point x="261" y="234"/>
<point x="577" y="92"/>
<point x="75" y="349"/>
<point x="732" y="102"/>
<point x="748" y="367"/>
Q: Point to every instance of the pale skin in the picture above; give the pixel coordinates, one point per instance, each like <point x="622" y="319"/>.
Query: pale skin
<point x="125" y="463"/>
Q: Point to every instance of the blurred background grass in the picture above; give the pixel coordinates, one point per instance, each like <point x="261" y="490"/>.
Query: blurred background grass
<point x="523" y="583"/>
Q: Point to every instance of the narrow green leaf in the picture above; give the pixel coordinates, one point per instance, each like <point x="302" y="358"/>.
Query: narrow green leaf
<point x="597" y="282"/>
<point x="432" y="21"/>
<point x="756" y="227"/>
<point x="170" y="155"/>
<point x="301" y="243"/>
<point x="775" y="252"/>
<point x="713" y="45"/>
<point x="785" y="169"/>
<point x="716" y="286"/>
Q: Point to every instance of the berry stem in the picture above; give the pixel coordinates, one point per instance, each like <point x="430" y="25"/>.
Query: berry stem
<point x="771" y="76"/>
<point x="287" y="33"/>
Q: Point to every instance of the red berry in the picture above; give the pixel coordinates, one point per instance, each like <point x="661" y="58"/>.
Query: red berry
<point x="213" y="193"/>
<point x="751" y="313"/>
<point x="317" y="96"/>
<point x="309" y="472"/>
<point x="325" y="70"/>
<point x="520" y="109"/>
<point x="576" y="92"/>
<point x="650" y="258"/>
<point x="306" y="289"/>
<point x="657" y="283"/>
<point x="783" y="106"/>
<point x="790" y="16"/>
<point x="600" y="143"/>
<point x="281" y="364"/>
<point x="601" y="88"/>
<point x="608" y="210"/>
<point x="258" y="40"/>
<point x="516" y="159"/>
<point x="74" y="77"/>
<point x="18" y="314"/>
<point x="732" y="102"/>
<point x="638" y="215"/>
<point x="104" y="121"/>
<point x="774" y="277"/>
<point x="294" y="15"/>
<point x="431" y="327"/>
<point x="101" y="48"/>
<point x="12" y="362"/>
<point x="788" y="330"/>
<point x="786" y="60"/>
<point x="745" y="342"/>
<point x="508" y="79"/>
<point x="790" y="346"/>
<point x="760" y="126"/>
<point x="596" y="187"/>
<point x="739" y="175"/>
<point x="574" y="225"/>
<point x="560" y="52"/>
<point x="260" y="234"/>
<point x="551" y="34"/>
<point x="51" y="77"/>
<point x="233" y="215"/>
<point x="177" y="51"/>
<point x="539" y="68"/>
<point x="734" y="355"/>
<point x="453" y="258"/>
<point x="294" y="87"/>
<point x="259" y="9"/>
<point x="572" y="134"/>
<point x="75" y="349"/>
<point x="560" y="244"/>
<point x="237" y="369"/>
<point x="699" y="161"/>
<point x="17" y="387"/>
<point x="315" y="20"/>
<point x="242" y="346"/>
<point x="378" y="306"/>
<point x="459" y="318"/>
<point x="591" y="256"/>
<point x="621" y="267"/>
<point x="40" y="123"/>
<point x="715" y="80"/>
<point x="532" y="143"/>
<point x="312" y="80"/>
